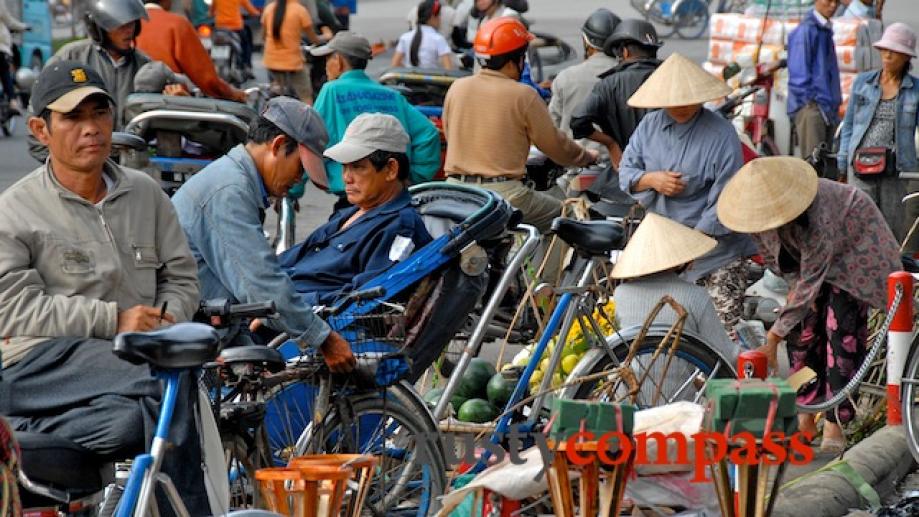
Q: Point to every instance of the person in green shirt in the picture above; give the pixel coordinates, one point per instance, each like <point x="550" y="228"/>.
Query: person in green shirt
<point x="351" y="92"/>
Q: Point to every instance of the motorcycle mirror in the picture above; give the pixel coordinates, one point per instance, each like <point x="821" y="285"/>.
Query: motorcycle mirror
<point x="730" y="71"/>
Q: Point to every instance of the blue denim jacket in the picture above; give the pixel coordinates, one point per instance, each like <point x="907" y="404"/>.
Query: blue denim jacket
<point x="220" y="210"/>
<point x="332" y="261"/>
<point x="863" y="102"/>
<point x="813" y="73"/>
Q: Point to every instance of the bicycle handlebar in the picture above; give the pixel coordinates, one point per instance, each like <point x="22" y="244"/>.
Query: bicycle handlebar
<point x="231" y="312"/>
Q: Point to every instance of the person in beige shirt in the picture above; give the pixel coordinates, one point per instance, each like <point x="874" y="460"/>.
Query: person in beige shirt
<point x="490" y="120"/>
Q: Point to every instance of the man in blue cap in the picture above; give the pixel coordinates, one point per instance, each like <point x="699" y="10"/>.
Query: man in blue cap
<point x="221" y="209"/>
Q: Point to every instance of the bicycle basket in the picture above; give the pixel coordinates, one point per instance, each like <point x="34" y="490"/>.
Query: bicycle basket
<point x="380" y="333"/>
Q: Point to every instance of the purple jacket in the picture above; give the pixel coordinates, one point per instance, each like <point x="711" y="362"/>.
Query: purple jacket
<point x="813" y="73"/>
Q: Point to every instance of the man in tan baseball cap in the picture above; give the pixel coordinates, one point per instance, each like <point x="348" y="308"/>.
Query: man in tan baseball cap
<point x="677" y="162"/>
<point x="379" y="230"/>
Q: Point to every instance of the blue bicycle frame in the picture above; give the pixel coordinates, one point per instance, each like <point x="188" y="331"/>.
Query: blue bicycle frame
<point x="145" y="470"/>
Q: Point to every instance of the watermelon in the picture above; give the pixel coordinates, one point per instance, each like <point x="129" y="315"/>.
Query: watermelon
<point x="433" y="396"/>
<point x="474" y="383"/>
<point x="477" y="411"/>
<point x="499" y="390"/>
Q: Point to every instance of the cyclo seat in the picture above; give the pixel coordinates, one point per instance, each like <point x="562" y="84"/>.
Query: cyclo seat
<point x="589" y="238"/>
<point x="270" y="358"/>
<point x="184" y="345"/>
<point x="57" y="462"/>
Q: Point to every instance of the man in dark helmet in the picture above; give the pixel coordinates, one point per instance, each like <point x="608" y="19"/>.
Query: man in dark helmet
<point x="574" y="83"/>
<point x="635" y="43"/>
<point x="112" y="26"/>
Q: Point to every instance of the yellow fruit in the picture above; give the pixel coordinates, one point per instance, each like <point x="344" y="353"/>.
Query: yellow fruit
<point x="557" y="380"/>
<point x="537" y="376"/>
<point x="569" y="362"/>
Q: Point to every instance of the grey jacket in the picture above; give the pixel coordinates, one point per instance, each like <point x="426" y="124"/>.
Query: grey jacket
<point x="573" y="85"/>
<point x="67" y="266"/>
<point x="119" y="80"/>
<point x="636" y="298"/>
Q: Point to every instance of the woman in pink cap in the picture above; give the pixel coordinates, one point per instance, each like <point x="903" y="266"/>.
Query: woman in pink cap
<point x="882" y="114"/>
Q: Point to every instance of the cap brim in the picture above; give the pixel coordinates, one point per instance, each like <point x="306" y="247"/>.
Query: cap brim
<point x="314" y="166"/>
<point x="324" y="50"/>
<point x="70" y="100"/>
<point x="348" y="152"/>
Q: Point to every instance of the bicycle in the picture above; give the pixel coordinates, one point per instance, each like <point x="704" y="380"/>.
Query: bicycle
<point x="580" y="296"/>
<point x="58" y="473"/>
<point x="688" y="18"/>
<point x="296" y="406"/>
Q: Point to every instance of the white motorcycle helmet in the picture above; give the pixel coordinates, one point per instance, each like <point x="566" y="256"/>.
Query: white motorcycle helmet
<point x="25" y="78"/>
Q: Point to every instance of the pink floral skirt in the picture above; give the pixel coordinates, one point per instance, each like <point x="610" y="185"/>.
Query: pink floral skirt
<point x="832" y="341"/>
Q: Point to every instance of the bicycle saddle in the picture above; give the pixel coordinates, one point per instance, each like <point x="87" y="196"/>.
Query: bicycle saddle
<point x="589" y="238"/>
<point x="267" y="357"/>
<point x="50" y="460"/>
<point x="184" y="345"/>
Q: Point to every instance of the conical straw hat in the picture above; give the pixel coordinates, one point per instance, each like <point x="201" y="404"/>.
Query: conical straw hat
<point x="660" y="244"/>
<point x="767" y="193"/>
<point x="678" y="82"/>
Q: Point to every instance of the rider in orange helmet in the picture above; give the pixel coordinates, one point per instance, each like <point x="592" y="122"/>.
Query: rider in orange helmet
<point x="490" y="121"/>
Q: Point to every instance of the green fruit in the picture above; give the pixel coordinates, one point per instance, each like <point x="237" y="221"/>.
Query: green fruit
<point x="433" y="397"/>
<point x="478" y="411"/>
<point x="579" y="347"/>
<point x="499" y="390"/>
<point x="474" y="383"/>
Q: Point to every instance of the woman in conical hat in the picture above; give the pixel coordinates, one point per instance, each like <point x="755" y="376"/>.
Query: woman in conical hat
<point x="832" y="242"/>
<point x="677" y="162"/>
<point x="651" y="262"/>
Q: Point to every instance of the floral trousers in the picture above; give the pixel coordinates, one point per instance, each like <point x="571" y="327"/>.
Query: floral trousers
<point x="831" y="340"/>
<point x="727" y="285"/>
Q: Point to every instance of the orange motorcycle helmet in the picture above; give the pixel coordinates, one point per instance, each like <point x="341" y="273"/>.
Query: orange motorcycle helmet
<point x="500" y="36"/>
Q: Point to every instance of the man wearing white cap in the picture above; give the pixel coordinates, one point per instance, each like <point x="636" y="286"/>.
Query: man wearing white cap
<point x="379" y="230"/>
<point x="678" y="161"/>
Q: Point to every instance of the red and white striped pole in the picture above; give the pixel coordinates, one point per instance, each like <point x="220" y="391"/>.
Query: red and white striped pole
<point x="898" y="341"/>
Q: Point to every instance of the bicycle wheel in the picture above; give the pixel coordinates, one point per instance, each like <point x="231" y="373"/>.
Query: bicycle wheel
<point x="909" y="395"/>
<point x="691" y="19"/>
<point x="683" y="379"/>
<point x="411" y="475"/>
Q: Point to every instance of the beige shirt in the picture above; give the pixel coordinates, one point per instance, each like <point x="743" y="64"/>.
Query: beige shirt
<point x="490" y="121"/>
<point x="68" y="266"/>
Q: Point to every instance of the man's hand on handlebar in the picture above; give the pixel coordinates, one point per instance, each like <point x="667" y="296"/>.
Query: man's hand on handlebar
<point x="142" y="318"/>
<point x="337" y="353"/>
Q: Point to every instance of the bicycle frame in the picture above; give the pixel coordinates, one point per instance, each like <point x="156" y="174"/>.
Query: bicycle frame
<point x="563" y="313"/>
<point x="145" y="472"/>
<point x="527" y="249"/>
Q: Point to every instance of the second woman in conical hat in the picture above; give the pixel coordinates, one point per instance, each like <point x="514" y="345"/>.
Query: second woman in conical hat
<point x="677" y="162"/>
<point x="651" y="263"/>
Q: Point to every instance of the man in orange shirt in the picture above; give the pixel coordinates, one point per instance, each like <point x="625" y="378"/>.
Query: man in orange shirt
<point x="170" y="38"/>
<point x="228" y="17"/>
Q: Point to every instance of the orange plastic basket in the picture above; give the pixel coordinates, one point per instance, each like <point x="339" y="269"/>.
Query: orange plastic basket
<point x="307" y="491"/>
<point x="362" y="466"/>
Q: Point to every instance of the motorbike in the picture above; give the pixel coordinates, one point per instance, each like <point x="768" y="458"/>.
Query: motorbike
<point x="755" y="83"/>
<point x="226" y="50"/>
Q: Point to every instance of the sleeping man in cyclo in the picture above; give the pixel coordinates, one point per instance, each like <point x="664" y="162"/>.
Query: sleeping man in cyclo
<point x="89" y="249"/>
